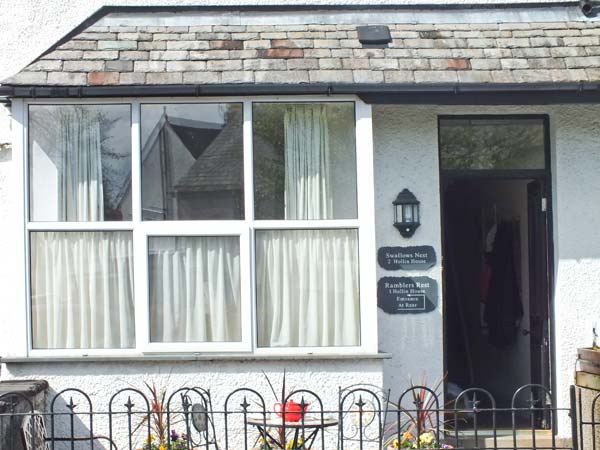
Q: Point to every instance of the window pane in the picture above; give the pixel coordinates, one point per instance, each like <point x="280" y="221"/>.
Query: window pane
<point x="494" y="144"/>
<point x="82" y="289"/>
<point x="304" y="161"/>
<point x="192" y="162"/>
<point x="307" y="288"/>
<point x="195" y="289"/>
<point x="79" y="162"/>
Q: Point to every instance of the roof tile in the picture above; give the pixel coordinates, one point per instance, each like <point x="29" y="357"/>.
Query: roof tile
<point x="321" y="53"/>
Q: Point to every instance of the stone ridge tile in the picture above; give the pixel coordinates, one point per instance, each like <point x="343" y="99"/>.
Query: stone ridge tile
<point x="281" y="53"/>
<point x="103" y="78"/>
<point x="282" y="76"/>
<point x="87" y="36"/>
<point x="318" y="53"/>
<point x="241" y="76"/>
<point x="79" y="45"/>
<point x="331" y="76"/>
<point x="64" y="55"/>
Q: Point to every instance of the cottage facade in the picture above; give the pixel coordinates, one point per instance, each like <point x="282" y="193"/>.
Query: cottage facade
<point x="205" y="194"/>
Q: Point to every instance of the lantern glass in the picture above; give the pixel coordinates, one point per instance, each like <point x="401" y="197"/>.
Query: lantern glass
<point x="415" y="213"/>
<point x="407" y="213"/>
<point x="396" y="208"/>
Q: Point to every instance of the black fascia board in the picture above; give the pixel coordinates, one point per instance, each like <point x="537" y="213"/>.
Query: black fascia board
<point x="499" y="94"/>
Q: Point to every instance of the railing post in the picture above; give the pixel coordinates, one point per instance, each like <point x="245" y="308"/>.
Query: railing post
<point x="573" y="417"/>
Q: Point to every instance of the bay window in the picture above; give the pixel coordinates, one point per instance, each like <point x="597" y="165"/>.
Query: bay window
<point x="227" y="226"/>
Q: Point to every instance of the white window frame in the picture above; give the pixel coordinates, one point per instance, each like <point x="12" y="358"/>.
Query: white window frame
<point x="244" y="228"/>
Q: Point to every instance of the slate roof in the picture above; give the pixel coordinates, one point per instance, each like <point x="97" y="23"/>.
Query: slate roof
<point x="314" y="53"/>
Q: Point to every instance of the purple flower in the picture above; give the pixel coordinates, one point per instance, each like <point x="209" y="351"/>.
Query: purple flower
<point x="174" y="435"/>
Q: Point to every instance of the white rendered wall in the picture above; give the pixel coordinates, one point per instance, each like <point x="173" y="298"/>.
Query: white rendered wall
<point x="12" y="279"/>
<point x="103" y="379"/>
<point x="405" y="141"/>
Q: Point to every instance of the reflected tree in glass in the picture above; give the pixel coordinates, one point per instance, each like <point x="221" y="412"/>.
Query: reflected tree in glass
<point x="492" y="144"/>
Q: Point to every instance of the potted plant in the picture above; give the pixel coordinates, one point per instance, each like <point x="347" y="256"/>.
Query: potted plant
<point x="289" y="411"/>
<point x="589" y="357"/>
<point x="160" y="437"/>
<point x="423" y="419"/>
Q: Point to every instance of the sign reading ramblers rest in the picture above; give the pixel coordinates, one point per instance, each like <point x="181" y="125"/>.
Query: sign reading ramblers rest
<point x="404" y="295"/>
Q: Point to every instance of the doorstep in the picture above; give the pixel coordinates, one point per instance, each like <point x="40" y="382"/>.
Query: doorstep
<point x="505" y="439"/>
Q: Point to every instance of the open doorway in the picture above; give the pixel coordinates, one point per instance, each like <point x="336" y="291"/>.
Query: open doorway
<point x="496" y="259"/>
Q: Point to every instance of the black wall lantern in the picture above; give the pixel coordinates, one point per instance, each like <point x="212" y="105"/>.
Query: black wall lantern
<point x="406" y="213"/>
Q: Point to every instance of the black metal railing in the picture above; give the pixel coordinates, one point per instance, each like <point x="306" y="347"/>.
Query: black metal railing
<point x="355" y="417"/>
<point x="586" y="429"/>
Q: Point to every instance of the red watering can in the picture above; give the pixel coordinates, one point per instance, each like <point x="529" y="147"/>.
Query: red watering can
<point x="293" y="411"/>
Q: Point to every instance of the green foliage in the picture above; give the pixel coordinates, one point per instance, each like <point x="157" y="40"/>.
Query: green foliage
<point x="509" y="145"/>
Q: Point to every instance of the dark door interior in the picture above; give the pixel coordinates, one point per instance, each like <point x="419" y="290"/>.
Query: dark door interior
<point x="496" y="259"/>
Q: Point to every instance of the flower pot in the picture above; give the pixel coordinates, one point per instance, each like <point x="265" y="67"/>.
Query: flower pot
<point x="293" y="412"/>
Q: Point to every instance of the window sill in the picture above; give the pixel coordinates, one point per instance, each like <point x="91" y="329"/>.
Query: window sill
<point x="194" y="357"/>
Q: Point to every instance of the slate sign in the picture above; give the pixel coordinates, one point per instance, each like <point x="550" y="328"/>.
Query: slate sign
<point x="407" y="258"/>
<point x="404" y="295"/>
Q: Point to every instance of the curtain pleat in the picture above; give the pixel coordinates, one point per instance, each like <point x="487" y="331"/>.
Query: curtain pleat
<point x="77" y="301"/>
<point x="307" y="163"/>
<point x="307" y="288"/>
<point x="195" y="289"/>
<point x="81" y="196"/>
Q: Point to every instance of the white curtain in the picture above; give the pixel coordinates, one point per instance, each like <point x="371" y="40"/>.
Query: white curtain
<point x="80" y="193"/>
<point x="307" y="288"/>
<point x="195" y="289"/>
<point x="81" y="282"/>
<point x="307" y="280"/>
<point x="307" y="156"/>
<point x="82" y="289"/>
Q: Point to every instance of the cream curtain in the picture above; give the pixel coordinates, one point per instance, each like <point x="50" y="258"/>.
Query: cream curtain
<point x="80" y="194"/>
<point x="307" y="167"/>
<point x="82" y="289"/>
<point x="195" y="289"/>
<point x="81" y="282"/>
<point x="307" y="280"/>
<point x="307" y="288"/>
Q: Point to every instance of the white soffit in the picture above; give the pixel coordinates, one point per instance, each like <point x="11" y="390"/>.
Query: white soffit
<point x="345" y="16"/>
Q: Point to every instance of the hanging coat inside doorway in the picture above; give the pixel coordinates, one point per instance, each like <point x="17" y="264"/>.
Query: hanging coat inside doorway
<point x="503" y="308"/>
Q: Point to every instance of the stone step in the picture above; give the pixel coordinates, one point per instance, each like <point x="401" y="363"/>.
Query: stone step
<point x="505" y="440"/>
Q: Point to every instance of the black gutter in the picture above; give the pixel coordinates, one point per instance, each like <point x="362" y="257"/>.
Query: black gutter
<point x="472" y="94"/>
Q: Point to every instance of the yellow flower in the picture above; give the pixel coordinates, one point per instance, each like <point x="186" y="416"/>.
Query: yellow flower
<point x="291" y="444"/>
<point x="395" y="443"/>
<point x="162" y="447"/>
<point x="149" y="439"/>
<point x="406" y="436"/>
<point x="426" y="438"/>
